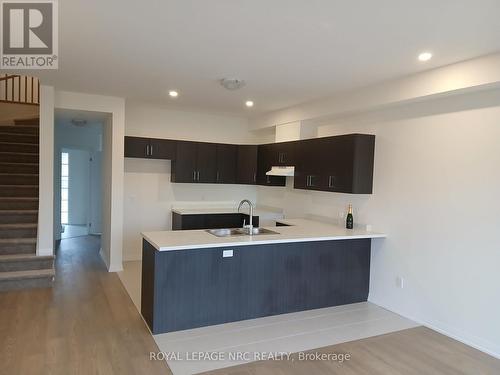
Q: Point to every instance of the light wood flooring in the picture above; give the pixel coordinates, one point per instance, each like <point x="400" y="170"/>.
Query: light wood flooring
<point x="86" y="324"/>
<point x="415" y="351"/>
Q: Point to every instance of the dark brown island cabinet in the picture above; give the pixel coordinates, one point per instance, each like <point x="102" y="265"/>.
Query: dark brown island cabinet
<point x="190" y="288"/>
<point x="342" y="164"/>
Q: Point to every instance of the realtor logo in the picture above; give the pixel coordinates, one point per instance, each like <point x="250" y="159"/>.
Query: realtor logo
<point x="29" y="35"/>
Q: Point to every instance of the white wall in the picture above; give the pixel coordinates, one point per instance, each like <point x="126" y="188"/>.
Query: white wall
<point x="78" y="187"/>
<point x="436" y="187"/>
<point x="45" y="241"/>
<point x="149" y="195"/>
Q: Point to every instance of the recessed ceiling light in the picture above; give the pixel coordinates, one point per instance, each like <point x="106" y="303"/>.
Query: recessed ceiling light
<point x="249" y="103"/>
<point x="425" y="56"/>
<point x="173" y="93"/>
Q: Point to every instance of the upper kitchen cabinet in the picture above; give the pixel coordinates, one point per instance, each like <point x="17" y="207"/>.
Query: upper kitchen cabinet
<point x="267" y="158"/>
<point x="308" y="167"/>
<point x="246" y="171"/>
<point x="195" y="162"/>
<point x="341" y="164"/>
<point x="284" y="153"/>
<point x="150" y="148"/>
<point x="227" y="158"/>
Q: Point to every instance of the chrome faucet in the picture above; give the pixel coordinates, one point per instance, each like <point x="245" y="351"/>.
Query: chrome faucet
<point x="250" y="205"/>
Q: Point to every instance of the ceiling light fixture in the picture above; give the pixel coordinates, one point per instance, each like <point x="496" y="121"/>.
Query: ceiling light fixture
<point x="425" y="56"/>
<point x="232" y="83"/>
<point x="173" y="94"/>
<point x="249" y="103"/>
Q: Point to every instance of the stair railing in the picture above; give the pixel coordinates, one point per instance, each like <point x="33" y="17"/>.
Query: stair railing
<point x="15" y="88"/>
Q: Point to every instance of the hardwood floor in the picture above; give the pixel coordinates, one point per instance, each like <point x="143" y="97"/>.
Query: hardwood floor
<point x="414" y="351"/>
<point x="86" y="324"/>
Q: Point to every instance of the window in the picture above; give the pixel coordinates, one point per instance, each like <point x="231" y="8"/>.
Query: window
<point x="64" y="187"/>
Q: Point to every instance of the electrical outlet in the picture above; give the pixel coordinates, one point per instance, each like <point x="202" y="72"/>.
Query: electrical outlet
<point x="400" y="282"/>
<point x="227" y="253"/>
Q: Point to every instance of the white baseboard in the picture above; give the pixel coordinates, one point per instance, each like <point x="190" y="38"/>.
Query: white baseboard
<point x="476" y="343"/>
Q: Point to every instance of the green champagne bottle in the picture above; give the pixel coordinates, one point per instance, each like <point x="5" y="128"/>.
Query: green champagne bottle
<point x="349" y="223"/>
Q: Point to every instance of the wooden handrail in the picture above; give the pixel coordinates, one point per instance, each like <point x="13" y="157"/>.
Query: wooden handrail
<point x="15" y="93"/>
<point x="5" y="78"/>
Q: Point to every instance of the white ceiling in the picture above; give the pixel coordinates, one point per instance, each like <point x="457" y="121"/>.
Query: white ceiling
<point x="288" y="51"/>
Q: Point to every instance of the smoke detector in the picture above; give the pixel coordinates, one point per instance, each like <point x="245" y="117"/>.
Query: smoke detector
<point x="232" y="83"/>
<point x="79" y="122"/>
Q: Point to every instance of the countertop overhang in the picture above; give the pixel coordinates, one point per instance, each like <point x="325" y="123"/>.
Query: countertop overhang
<point x="298" y="230"/>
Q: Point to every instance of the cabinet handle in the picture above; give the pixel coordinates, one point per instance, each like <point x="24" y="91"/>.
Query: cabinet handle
<point x="217" y="178"/>
<point x="268" y="179"/>
<point x="194" y="175"/>
<point x="308" y="181"/>
<point x="330" y="181"/>
<point x="255" y="177"/>
<point x="151" y="150"/>
<point x="198" y="176"/>
<point x="147" y="150"/>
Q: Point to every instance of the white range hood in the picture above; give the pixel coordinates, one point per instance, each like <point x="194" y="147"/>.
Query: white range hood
<point x="281" y="171"/>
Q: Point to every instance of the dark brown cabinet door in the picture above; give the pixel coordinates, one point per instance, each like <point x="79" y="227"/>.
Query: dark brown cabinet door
<point x="184" y="164"/>
<point x="284" y="153"/>
<point x="162" y="149"/>
<point x="227" y="158"/>
<point x="266" y="158"/>
<point x="246" y="169"/>
<point x="136" y="147"/>
<point x="337" y="173"/>
<point x="206" y="163"/>
<point x="308" y="165"/>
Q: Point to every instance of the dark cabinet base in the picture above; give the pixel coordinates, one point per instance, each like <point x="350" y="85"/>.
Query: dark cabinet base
<point x="211" y="221"/>
<point x="198" y="287"/>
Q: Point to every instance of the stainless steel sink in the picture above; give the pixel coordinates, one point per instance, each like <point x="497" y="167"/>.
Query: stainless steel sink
<point x="239" y="232"/>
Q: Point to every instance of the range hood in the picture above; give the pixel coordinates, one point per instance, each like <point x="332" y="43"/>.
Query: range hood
<point x="281" y="171"/>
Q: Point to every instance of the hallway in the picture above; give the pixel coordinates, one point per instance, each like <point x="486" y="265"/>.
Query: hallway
<point x="86" y="324"/>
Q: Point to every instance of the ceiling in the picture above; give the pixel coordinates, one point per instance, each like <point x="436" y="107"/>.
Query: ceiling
<point x="288" y="51"/>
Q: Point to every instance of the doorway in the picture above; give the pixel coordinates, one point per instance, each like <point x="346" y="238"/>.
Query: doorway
<point x="78" y="174"/>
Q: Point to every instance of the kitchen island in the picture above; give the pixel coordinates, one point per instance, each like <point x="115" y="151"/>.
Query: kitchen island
<point x="192" y="278"/>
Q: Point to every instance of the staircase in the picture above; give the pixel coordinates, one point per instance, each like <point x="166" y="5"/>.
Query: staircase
<point x="19" y="266"/>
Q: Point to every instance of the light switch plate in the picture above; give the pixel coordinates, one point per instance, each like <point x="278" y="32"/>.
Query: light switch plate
<point x="227" y="253"/>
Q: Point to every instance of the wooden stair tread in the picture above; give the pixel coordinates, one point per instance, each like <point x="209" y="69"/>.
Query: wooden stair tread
<point x="18" y="212"/>
<point x="29" y="274"/>
<point x="30" y="186"/>
<point x="19" y="225"/>
<point x="15" y="153"/>
<point x="24" y="257"/>
<point x="16" y="163"/>
<point x="17" y="241"/>
<point x="18" y="198"/>
<point x="18" y="143"/>
<point x="23" y="134"/>
<point x="18" y="174"/>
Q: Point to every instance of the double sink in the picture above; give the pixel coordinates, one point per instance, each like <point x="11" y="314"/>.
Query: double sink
<point x="239" y="232"/>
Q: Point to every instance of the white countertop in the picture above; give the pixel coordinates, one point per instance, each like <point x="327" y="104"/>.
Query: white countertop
<point x="300" y="230"/>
